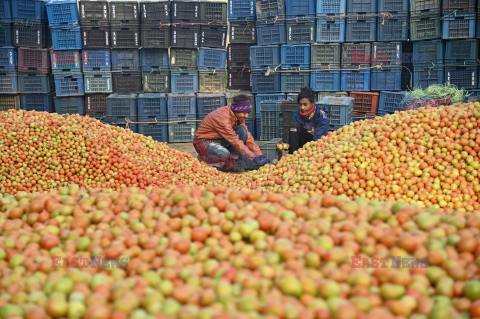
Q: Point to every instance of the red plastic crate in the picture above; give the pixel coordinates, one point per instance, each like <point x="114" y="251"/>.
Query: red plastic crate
<point x="365" y="103"/>
<point x="33" y="60"/>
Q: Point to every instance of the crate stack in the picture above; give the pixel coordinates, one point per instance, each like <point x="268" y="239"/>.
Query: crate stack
<point x="461" y="45"/>
<point x="95" y="57"/>
<point x="326" y="56"/>
<point x="265" y="60"/>
<point x="8" y="60"/>
<point x="425" y="20"/>
<point x="23" y="28"/>
<point x="242" y="18"/>
<point x="63" y="20"/>
<point x="212" y="74"/>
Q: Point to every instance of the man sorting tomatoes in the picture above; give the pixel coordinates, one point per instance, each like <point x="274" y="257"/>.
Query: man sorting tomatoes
<point x="309" y="122"/>
<point x="223" y="139"/>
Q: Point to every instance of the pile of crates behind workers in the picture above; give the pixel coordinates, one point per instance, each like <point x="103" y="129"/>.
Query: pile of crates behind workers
<point x="368" y="50"/>
<point x="150" y="63"/>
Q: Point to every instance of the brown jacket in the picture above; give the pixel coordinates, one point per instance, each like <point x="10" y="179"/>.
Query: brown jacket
<point x="220" y="124"/>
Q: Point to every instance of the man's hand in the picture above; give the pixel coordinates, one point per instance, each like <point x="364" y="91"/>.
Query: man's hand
<point x="261" y="160"/>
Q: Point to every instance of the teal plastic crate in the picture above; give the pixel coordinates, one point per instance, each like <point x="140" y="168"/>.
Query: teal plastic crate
<point x="339" y="111"/>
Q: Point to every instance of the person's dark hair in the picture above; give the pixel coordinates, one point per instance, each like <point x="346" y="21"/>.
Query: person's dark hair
<point x="306" y="93"/>
<point x="241" y="97"/>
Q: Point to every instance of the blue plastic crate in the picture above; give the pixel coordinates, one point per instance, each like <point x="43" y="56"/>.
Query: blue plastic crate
<point x="181" y="106"/>
<point x="301" y="31"/>
<point x="181" y="132"/>
<point x="154" y="59"/>
<point x="300" y="8"/>
<point x="328" y="7"/>
<point x="364" y="6"/>
<point x="8" y="83"/>
<point x="271" y="33"/>
<point x="430" y="52"/>
<point x="8" y="59"/>
<point x="460" y="51"/>
<point x="96" y="61"/>
<point x="212" y="59"/>
<point x="294" y="81"/>
<point x="28" y="11"/>
<point x="125" y="60"/>
<point x="69" y="84"/>
<point x="250" y="123"/>
<point x="390" y="102"/>
<point x="393" y="6"/>
<point x="339" y="111"/>
<point x="295" y="56"/>
<point x="241" y="10"/>
<point x="387" y="54"/>
<point x="270" y="9"/>
<point x="6" y="34"/>
<point x="267" y="97"/>
<point x="63" y="61"/>
<point x="98" y="82"/>
<point x="386" y="79"/>
<point x="330" y="29"/>
<point x="424" y="76"/>
<point x="270" y="127"/>
<point x="152" y="105"/>
<point x="361" y="29"/>
<point x="37" y="102"/>
<point x="266" y="84"/>
<point x="207" y="103"/>
<point x="121" y="107"/>
<point x="5" y="10"/>
<point x="355" y="80"/>
<point x="66" y="39"/>
<point x="34" y="83"/>
<point x="62" y="13"/>
<point x="325" y="80"/>
<point x="159" y="132"/>
<point x="393" y="29"/>
<point x="184" y="81"/>
<point x="463" y="77"/>
<point x="262" y="57"/>
<point x="69" y="105"/>
<point x="458" y="26"/>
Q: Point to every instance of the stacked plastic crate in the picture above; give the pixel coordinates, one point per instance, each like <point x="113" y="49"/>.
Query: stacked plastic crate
<point x="356" y="51"/>
<point x="393" y="55"/>
<point x="95" y="57"/>
<point x="212" y="75"/>
<point x="155" y="40"/>
<point x="124" y="19"/>
<point x="425" y="21"/>
<point x="428" y="67"/>
<point x="155" y="32"/>
<point x="185" y="41"/>
<point x="242" y="36"/>
<point x="265" y="64"/>
<point x="461" y="46"/>
<point x="325" y="55"/>
<point x="8" y="60"/>
<point x="23" y="28"/>
<point x="63" y="19"/>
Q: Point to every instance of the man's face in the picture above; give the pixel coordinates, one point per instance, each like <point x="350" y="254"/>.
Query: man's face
<point x="241" y="116"/>
<point x="305" y="105"/>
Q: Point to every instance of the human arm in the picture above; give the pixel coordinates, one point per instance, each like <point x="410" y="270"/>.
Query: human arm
<point x="321" y="126"/>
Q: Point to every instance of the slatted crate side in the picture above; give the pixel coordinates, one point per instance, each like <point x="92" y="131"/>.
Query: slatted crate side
<point x="93" y="13"/>
<point x="243" y="32"/>
<point x="127" y="82"/>
<point x="238" y="55"/>
<point x="95" y="37"/>
<point x="155" y="36"/>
